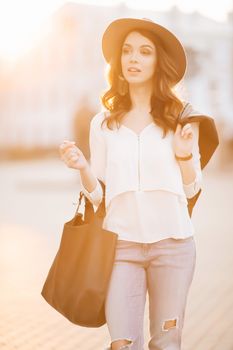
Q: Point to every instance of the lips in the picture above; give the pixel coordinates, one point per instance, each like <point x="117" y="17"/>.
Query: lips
<point x="133" y="69"/>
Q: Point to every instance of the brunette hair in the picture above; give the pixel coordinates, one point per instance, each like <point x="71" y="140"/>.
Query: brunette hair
<point x="165" y="104"/>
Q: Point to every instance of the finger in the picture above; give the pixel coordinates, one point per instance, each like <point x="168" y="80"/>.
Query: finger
<point x="65" y="145"/>
<point x="67" y="141"/>
<point x="72" y="161"/>
<point x="188" y="134"/>
<point x="178" y="128"/>
<point x="73" y="151"/>
<point x="65" y="156"/>
<point x="63" y="148"/>
<point x="186" y="128"/>
<point x="68" y="150"/>
<point x="187" y="125"/>
<point x="74" y="156"/>
<point x="70" y="158"/>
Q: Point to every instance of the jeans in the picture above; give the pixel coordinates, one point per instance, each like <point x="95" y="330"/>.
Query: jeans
<point x="165" y="270"/>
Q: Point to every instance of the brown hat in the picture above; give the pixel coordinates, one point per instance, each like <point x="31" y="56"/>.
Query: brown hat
<point x="116" y="31"/>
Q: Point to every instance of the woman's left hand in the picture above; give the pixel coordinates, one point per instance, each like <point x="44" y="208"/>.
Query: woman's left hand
<point x="183" y="140"/>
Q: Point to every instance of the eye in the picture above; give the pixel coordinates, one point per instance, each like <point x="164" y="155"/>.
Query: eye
<point x="145" y="52"/>
<point x="125" y="50"/>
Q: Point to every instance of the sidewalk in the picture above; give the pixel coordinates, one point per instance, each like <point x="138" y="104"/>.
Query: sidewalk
<point x="38" y="197"/>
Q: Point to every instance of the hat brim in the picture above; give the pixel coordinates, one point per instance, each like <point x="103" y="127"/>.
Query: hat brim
<point x="116" y="31"/>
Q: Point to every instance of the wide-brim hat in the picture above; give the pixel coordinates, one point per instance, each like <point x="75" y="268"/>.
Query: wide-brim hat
<point x="116" y="31"/>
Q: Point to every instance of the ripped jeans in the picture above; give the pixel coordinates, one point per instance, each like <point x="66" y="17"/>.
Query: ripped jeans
<point x="165" y="270"/>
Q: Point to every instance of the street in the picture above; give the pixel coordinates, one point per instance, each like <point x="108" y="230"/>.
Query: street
<point x="38" y="198"/>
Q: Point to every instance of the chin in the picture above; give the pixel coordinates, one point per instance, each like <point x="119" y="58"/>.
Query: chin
<point x="135" y="80"/>
<point x="138" y="82"/>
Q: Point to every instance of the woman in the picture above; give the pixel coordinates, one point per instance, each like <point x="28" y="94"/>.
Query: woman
<point x="149" y="161"/>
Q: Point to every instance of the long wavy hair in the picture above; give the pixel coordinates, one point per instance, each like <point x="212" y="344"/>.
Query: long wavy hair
<point x="165" y="104"/>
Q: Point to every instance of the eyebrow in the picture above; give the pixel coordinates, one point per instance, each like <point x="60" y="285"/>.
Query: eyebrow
<point x="146" y="45"/>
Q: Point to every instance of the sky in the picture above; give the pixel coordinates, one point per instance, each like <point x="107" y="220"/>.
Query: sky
<point x="22" y="22"/>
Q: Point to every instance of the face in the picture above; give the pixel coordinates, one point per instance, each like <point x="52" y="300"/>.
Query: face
<point x="138" y="58"/>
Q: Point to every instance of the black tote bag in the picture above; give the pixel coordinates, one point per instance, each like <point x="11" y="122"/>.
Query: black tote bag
<point x="77" y="281"/>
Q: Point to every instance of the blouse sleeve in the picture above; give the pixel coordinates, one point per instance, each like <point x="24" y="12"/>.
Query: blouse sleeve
<point x="97" y="159"/>
<point x="192" y="188"/>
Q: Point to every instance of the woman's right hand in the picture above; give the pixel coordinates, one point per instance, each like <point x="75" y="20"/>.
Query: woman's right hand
<point x="72" y="155"/>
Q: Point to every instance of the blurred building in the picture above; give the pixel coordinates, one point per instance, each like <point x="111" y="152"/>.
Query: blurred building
<point x="40" y="97"/>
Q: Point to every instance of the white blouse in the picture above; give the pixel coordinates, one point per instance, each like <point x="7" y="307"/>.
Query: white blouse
<point x="145" y="198"/>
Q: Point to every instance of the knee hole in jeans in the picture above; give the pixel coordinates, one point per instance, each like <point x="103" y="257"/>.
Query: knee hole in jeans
<point x="169" y="324"/>
<point x="121" y="344"/>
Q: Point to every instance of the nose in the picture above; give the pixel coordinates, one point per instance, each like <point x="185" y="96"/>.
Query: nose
<point x="133" y="57"/>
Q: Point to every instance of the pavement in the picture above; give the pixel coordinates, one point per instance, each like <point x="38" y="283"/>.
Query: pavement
<point x="38" y="197"/>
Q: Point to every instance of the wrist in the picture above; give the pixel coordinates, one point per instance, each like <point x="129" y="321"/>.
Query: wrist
<point x="85" y="168"/>
<point x="183" y="157"/>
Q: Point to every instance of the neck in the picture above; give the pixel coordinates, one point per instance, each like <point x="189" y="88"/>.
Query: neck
<point x="140" y="96"/>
